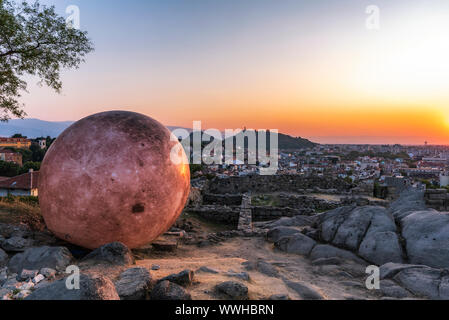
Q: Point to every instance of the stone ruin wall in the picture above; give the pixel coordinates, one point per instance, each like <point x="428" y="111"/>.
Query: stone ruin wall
<point x="276" y="183"/>
<point x="437" y="199"/>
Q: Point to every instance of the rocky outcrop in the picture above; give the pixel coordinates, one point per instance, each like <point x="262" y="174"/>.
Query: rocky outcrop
<point x="426" y="234"/>
<point x="115" y="253"/>
<point x="369" y="231"/>
<point x="184" y="278"/>
<point x="166" y="290"/>
<point x="233" y="290"/>
<point x="3" y="258"/>
<point x="41" y="257"/>
<point x="133" y="284"/>
<point x="91" y="288"/>
<point x="296" y="243"/>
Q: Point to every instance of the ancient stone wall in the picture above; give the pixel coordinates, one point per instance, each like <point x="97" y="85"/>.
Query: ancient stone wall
<point x="276" y="183"/>
<point x="437" y="199"/>
<point x="222" y="199"/>
<point x="219" y="214"/>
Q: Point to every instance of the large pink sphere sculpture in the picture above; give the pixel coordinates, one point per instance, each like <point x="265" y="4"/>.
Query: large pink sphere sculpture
<point x="111" y="177"/>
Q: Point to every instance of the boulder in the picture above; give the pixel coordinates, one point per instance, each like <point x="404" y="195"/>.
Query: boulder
<point x="3" y="258"/>
<point x="3" y="276"/>
<point x="184" y="278"/>
<point x="166" y="290"/>
<point x="275" y="234"/>
<point x="328" y="251"/>
<point x="233" y="290"/>
<point x="16" y="244"/>
<point x="392" y="289"/>
<point x="296" y="243"/>
<point x="115" y="253"/>
<point x="91" y="288"/>
<point x="381" y="247"/>
<point x="306" y="292"/>
<point x="133" y="284"/>
<point x="420" y="281"/>
<point x="296" y="221"/>
<point x="409" y="201"/>
<point x="41" y="257"/>
<point x="389" y="270"/>
<point x="267" y="269"/>
<point x="426" y="234"/>
<point x="9" y="230"/>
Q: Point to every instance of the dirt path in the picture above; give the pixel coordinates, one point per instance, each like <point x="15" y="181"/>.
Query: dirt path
<point x="333" y="282"/>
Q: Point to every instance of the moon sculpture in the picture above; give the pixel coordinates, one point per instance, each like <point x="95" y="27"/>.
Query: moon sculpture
<point x="113" y="176"/>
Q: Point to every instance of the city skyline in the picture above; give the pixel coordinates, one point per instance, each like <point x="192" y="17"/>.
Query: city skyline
<point x="307" y="69"/>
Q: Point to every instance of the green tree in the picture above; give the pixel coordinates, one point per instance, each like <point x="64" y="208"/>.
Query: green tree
<point x="8" y="169"/>
<point x="30" y="165"/>
<point x="35" y="41"/>
<point x="18" y="135"/>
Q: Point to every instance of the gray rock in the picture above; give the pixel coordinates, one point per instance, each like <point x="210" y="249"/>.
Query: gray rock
<point x="381" y="247"/>
<point x="48" y="273"/>
<point x="42" y="284"/>
<point x="240" y="275"/>
<point x="233" y="290"/>
<point x="328" y="251"/>
<point x="17" y="244"/>
<point x="410" y="201"/>
<point x="392" y="289"/>
<point x="444" y="288"/>
<point x="166" y="290"/>
<point x="207" y="270"/>
<point x="275" y="234"/>
<point x="11" y="282"/>
<point x="133" y="284"/>
<point x="305" y="291"/>
<point x="420" y="281"/>
<point x="91" y="288"/>
<point x="115" y="253"/>
<point x="184" y="278"/>
<point x="369" y="231"/>
<point x="3" y="276"/>
<point x="297" y="243"/>
<point x="296" y="221"/>
<point x="327" y="261"/>
<point x="3" y="258"/>
<point x="427" y="234"/>
<point x="41" y="257"/>
<point x="25" y="274"/>
<point x="9" y="231"/>
<point x="389" y="270"/>
<point x="155" y="267"/>
<point x="267" y="269"/>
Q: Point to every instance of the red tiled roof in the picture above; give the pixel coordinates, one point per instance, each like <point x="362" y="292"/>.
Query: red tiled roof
<point x="21" y="182"/>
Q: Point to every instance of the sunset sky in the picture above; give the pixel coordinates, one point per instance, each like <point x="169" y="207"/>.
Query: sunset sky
<point x="307" y="68"/>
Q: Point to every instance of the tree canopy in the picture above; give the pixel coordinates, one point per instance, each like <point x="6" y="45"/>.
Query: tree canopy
<point x="34" y="40"/>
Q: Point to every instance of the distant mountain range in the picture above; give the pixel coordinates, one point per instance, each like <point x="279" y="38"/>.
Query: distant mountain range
<point x="34" y="128"/>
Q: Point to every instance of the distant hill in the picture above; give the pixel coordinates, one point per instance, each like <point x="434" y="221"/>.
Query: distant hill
<point x="33" y="128"/>
<point x="286" y="142"/>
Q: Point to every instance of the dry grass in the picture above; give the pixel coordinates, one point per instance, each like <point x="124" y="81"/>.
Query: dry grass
<point x="21" y="210"/>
